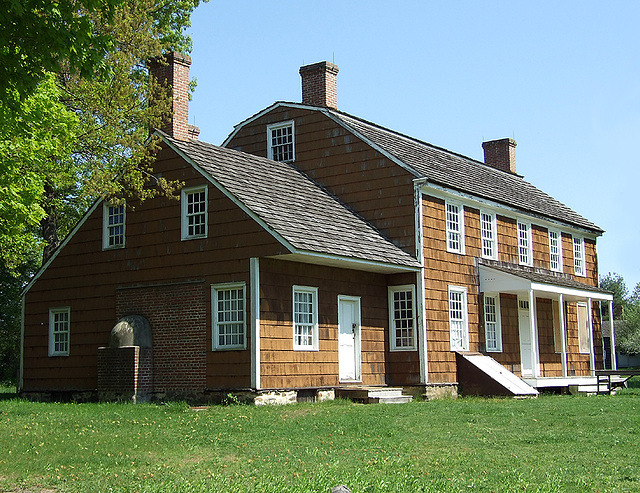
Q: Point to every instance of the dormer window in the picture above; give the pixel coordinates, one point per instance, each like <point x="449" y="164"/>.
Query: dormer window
<point x="280" y="142"/>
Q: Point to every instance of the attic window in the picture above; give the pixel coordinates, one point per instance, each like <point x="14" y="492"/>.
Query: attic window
<point x="280" y="142"/>
<point x="113" y="217"/>
<point x="194" y="212"/>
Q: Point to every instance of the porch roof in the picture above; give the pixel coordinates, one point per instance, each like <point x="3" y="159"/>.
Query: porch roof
<point x="496" y="277"/>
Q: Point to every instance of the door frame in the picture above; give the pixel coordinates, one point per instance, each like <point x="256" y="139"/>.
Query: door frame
<point x="357" y="339"/>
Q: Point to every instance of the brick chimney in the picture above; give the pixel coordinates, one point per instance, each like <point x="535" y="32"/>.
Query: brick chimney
<point x="319" y="85"/>
<point x="500" y="154"/>
<point x="172" y="69"/>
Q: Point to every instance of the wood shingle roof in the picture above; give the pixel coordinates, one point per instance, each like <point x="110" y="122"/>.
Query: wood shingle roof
<point x="463" y="174"/>
<point x="291" y="206"/>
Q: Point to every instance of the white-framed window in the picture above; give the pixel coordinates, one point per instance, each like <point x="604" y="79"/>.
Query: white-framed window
<point x="455" y="227"/>
<point x="194" y="212"/>
<point x="305" y="318"/>
<point x="402" y="317"/>
<point x="281" y="142"/>
<point x="555" y="250"/>
<point x="525" y="249"/>
<point x="578" y="257"/>
<point x="492" y="325"/>
<point x="59" y="331"/>
<point x="229" y="316"/>
<point x="458" y="319"/>
<point x="113" y="226"/>
<point x="489" y="234"/>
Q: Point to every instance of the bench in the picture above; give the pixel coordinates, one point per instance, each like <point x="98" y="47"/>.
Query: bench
<point x="605" y="377"/>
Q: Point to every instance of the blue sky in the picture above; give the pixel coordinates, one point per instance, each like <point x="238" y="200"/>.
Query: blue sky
<point x="561" y="78"/>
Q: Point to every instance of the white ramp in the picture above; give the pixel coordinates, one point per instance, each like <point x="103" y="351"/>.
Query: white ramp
<point x="498" y="373"/>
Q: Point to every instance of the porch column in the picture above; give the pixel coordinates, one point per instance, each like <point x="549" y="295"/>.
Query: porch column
<point x="614" y="361"/>
<point x="592" y="353"/>
<point x="254" y="268"/>
<point x="535" y="360"/>
<point x="563" y="337"/>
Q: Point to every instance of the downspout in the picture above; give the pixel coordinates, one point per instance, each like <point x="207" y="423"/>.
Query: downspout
<point x="420" y="282"/>
<point x="592" y="353"/>
<point x="254" y="268"/>
<point x="614" y="360"/>
<point x="563" y="337"/>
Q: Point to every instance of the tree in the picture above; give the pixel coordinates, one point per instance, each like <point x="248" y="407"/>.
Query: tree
<point x="615" y="283"/>
<point x="627" y="313"/>
<point x="37" y="35"/>
<point x="81" y="131"/>
<point x="74" y="123"/>
<point x="11" y="284"/>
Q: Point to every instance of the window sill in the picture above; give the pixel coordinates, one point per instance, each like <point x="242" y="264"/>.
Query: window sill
<point x="403" y="349"/>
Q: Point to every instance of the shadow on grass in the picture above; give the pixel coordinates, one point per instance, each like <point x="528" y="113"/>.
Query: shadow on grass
<point x="8" y="392"/>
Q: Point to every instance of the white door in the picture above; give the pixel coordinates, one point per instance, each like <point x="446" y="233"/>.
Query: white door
<point x="349" y="338"/>
<point x="524" y="324"/>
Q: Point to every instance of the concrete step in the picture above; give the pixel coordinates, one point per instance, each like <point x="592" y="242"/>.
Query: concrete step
<point x="401" y="399"/>
<point x="373" y="395"/>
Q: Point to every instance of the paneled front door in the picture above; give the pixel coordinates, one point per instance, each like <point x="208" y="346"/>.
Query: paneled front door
<point x="349" y="356"/>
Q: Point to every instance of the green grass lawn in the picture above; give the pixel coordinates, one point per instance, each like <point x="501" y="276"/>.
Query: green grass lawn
<point x="553" y="443"/>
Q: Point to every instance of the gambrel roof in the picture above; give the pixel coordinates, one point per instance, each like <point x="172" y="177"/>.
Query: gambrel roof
<point x="449" y="170"/>
<point x="295" y="210"/>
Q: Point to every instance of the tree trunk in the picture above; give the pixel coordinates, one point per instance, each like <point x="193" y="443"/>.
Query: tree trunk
<point x="49" y="223"/>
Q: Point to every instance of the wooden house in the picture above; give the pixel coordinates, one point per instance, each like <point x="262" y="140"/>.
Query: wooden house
<point x="316" y="251"/>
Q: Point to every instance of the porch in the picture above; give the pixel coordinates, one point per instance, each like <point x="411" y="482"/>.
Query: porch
<point x="553" y="317"/>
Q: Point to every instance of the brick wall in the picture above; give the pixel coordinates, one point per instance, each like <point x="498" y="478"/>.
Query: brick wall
<point x="177" y="314"/>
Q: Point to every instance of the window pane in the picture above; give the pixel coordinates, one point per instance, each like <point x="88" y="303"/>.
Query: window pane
<point x="282" y="143"/>
<point x="230" y="317"/>
<point x="403" y="319"/>
<point x="457" y="320"/>
<point x="488" y="235"/>
<point x="453" y="228"/>
<point x="524" y="244"/>
<point x="578" y="256"/>
<point x="196" y="213"/>
<point x="304" y="318"/>
<point x="554" y="250"/>
<point x="491" y="323"/>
